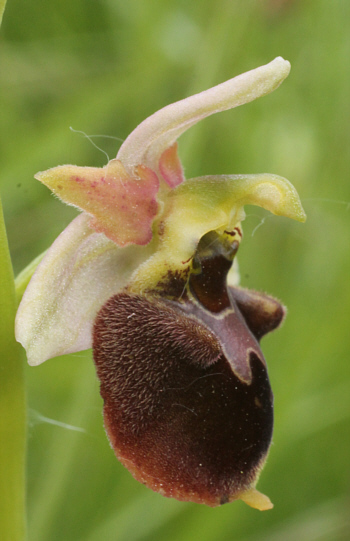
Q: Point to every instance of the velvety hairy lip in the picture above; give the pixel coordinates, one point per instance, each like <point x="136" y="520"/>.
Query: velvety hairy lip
<point x="177" y="416"/>
<point x="188" y="406"/>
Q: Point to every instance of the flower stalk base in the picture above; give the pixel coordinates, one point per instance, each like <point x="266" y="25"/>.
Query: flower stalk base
<point x="12" y="406"/>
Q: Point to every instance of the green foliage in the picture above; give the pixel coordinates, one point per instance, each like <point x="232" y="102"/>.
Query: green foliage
<point x="102" y="66"/>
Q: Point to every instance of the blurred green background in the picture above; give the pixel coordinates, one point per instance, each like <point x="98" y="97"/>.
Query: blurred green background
<point x="102" y="66"/>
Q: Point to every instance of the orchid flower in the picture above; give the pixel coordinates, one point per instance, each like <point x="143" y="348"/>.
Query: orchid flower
<point x="146" y="276"/>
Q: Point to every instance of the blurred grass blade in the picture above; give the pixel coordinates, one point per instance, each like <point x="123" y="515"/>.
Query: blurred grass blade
<point x="138" y="520"/>
<point x="2" y="8"/>
<point x="328" y="521"/>
<point x="53" y="487"/>
<point x="12" y="406"/>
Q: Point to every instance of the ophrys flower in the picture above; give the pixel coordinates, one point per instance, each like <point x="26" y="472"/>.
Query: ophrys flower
<point x="145" y="275"/>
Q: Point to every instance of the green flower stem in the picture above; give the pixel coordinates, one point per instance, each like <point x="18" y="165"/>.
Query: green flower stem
<point x="12" y="406"/>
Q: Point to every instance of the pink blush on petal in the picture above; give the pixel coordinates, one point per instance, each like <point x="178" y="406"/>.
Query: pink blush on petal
<point x="170" y="166"/>
<point x="122" y="205"/>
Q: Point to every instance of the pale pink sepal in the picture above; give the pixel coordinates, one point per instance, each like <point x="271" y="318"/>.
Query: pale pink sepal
<point x="80" y="271"/>
<point x="158" y="132"/>
<point x="122" y="205"/>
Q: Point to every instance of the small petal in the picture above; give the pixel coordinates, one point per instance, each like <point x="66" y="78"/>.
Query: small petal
<point x="170" y="166"/>
<point x="157" y="133"/>
<point x="80" y="271"/>
<point x="122" y="206"/>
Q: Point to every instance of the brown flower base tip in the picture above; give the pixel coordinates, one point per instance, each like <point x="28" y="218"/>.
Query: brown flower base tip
<point x="176" y="413"/>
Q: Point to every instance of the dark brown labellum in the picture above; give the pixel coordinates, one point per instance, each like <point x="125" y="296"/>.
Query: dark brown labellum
<point x="188" y="406"/>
